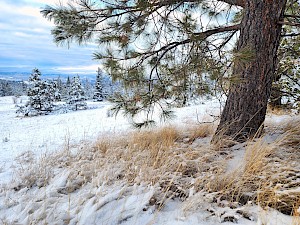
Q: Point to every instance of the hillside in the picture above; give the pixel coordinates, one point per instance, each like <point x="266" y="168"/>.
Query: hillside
<point x="87" y="168"/>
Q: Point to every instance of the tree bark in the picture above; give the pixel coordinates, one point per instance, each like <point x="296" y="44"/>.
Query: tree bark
<point x="245" y="108"/>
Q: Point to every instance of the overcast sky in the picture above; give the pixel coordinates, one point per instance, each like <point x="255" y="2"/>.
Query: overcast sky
<point x="26" y="42"/>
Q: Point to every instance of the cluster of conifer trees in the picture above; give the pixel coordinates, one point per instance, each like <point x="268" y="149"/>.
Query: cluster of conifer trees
<point x="42" y="94"/>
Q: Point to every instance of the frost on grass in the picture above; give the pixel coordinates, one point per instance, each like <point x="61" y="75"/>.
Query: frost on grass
<point x="160" y="176"/>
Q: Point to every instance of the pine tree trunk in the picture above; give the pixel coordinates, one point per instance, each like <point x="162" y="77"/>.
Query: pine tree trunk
<point x="253" y="71"/>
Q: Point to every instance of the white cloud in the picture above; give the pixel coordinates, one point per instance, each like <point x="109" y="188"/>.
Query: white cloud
<point x="19" y="17"/>
<point x="78" y="69"/>
<point x="46" y="2"/>
<point x="26" y="40"/>
<point x="21" y="34"/>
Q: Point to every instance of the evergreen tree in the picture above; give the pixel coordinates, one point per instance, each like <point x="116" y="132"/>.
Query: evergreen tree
<point x="98" y="94"/>
<point x="88" y="89"/>
<point x="142" y="37"/>
<point x="76" y="98"/>
<point x="55" y="89"/>
<point x="47" y="95"/>
<point x="65" y="89"/>
<point x="68" y="82"/>
<point x="5" y="88"/>
<point x="59" y="88"/>
<point x="41" y="96"/>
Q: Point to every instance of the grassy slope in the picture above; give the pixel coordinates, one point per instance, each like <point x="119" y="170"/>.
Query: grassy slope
<point x="157" y="167"/>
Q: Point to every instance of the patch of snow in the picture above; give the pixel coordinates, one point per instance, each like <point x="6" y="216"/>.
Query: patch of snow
<point x="273" y="217"/>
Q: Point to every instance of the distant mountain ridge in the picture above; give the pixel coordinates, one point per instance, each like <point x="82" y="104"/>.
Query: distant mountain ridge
<point x="23" y="76"/>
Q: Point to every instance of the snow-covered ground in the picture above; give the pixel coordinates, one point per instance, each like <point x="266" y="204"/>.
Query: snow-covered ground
<point x="45" y="134"/>
<point x="117" y="203"/>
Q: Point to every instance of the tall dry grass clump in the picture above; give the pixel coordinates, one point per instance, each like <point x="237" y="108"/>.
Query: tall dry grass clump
<point x="269" y="173"/>
<point x="281" y="189"/>
<point x="241" y="183"/>
<point x="296" y="214"/>
<point x="200" y="131"/>
<point x="291" y="136"/>
<point x="156" y="144"/>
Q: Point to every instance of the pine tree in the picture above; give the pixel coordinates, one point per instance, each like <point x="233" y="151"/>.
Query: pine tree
<point x="66" y="89"/>
<point x="58" y="88"/>
<point x="98" y="94"/>
<point x="41" y="96"/>
<point x="137" y="48"/>
<point x="88" y="89"/>
<point x="47" y="95"/>
<point x="76" y="98"/>
<point x="34" y="90"/>
<point x="5" y="88"/>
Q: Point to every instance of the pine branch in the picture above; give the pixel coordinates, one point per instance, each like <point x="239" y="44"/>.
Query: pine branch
<point x="240" y="3"/>
<point x="196" y="36"/>
<point x="208" y="33"/>
<point x="291" y="16"/>
<point x="290" y="35"/>
<point x="227" y="39"/>
<point x="296" y="81"/>
<point x="201" y="35"/>
<point x="289" y="23"/>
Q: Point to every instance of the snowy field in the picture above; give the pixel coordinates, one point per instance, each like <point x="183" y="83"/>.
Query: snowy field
<point x="46" y="134"/>
<point x="68" y="198"/>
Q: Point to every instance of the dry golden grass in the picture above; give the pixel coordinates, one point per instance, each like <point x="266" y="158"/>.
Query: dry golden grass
<point x="221" y="140"/>
<point x="158" y="157"/>
<point x="171" y="160"/>
<point x="156" y="144"/>
<point x="269" y="173"/>
<point x="278" y="110"/>
<point x="256" y="156"/>
<point x="296" y="214"/>
<point x="102" y="146"/>
<point x="200" y="131"/>
<point x="291" y="137"/>
<point x="37" y="175"/>
<point x="150" y="138"/>
<point x="234" y="185"/>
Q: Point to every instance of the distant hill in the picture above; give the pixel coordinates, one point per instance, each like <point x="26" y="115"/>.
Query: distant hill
<point x="23" y="76"/>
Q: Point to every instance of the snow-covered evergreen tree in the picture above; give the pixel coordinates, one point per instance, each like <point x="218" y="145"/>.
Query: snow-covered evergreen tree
<point x="41" y="96"/>
<point x="76" y="98"/>
<point x="58" y="88"/>
<point x="47" y="95"/>
<point x="88" y="89"/>
<point x="98" y="94"/>
<point x="66" y="88"/>
<point x="5" y="88"/>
